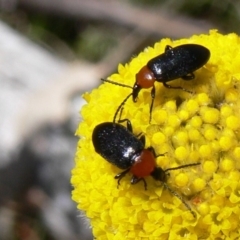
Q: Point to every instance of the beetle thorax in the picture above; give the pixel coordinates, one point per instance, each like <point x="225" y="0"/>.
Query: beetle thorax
<point x="145" y="78"/>
<point x="144" y="164"/>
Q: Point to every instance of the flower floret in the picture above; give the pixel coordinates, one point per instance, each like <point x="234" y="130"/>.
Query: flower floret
<point x="201" y="125"/>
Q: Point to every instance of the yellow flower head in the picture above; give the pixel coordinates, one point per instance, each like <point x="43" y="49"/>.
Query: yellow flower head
<point x="199" y="127"/>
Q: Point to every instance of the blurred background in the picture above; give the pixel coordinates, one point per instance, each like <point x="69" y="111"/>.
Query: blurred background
<point x="52" y="51"/>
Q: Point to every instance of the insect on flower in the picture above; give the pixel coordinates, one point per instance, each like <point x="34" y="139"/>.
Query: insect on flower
<point x="119" y="146"/>
<point x="174" y="63"/>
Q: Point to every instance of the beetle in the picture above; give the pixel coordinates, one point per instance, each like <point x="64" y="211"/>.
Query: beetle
<point x="119" y="146"/>
<point x="175" y="62"/>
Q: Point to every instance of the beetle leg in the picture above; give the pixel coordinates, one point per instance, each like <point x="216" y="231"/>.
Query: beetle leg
<point x="143" y="139"/>
<point x="169" y="86"/>
<point x="153" y="91"/>
<point x="120" y="108"/>
<point x="188" y="77"/>
<point x="138" y="136"/>
<point x="129" y="128"/>
<point x="129" y="124"/>
<point x="154" y="153"/>
<point x="135" y="180"/>
<point x="121" y="175"/>
<point x="167" y="48"/>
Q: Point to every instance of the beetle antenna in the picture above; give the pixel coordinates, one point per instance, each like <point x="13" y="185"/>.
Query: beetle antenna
<point x="120" y="107"/>
<point x="116" y="83"/>
<point x="180" y="198"/>
<point x="182" y="166"/>
<point x="175" y="193"/>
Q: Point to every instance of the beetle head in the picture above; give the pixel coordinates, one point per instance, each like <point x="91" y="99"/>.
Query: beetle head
<point x="159" y="174"/>
<point x="136" y="90"/>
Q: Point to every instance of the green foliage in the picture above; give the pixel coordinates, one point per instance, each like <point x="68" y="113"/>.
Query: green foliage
<point x="94" y="42"/>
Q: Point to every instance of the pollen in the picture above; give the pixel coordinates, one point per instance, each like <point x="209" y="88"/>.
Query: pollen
<point x="209" y="115"/>
<point x="194" y="134"/>
<point x="203" y="209"/>
<point x="225" y="143"/>
<point x="158" y="138"/>
<point x="180" y="138"/>
<point x="195" y="121"/>
<point x="205" y="151"/>
<point x="192" y="106"/>
<point x="236" y="152"/>
<point x="174" y="121"/>
<point x="233" y="122"/>
<point x="203" y="99"/>
<point x="198" y="184"/>
<point x="226" y="111"/>
<point x="181" y="179"/>
<point x="197" y="126"/>
<point x="231" y="96"/>
<point x="171" y="106"/>
<point x="210" y="132"/>
<point x="227" y="165"/>
<point x="209" y="167"/>
<point x="183" y="115"/>
<point x="181" y="153"/>
<point x="161" y="116"/>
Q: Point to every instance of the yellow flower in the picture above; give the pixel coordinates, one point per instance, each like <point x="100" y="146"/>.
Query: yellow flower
<point x="202" y="127"/>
